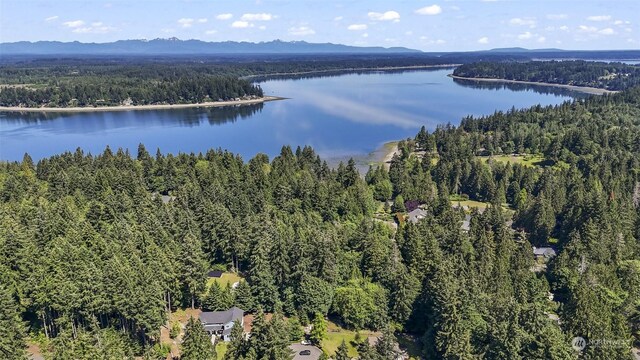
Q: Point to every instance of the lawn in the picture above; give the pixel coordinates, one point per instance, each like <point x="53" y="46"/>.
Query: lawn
<point x="335" y="335"/>
<point x="469" y="203"/>
<point x="221" y="349"/>
<point x="226" y="277"/>
<point x="525" y="160"/>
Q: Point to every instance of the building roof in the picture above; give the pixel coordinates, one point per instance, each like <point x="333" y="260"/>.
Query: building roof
<point x="544" y="251"/>
<point x="215" y="273"/>
<point x="416" y="215"/>
<point x="466" y="224"/>
<point x="221" y="317"/>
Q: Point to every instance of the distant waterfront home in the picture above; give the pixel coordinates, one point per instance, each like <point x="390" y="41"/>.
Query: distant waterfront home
<point x="543" y="252"/>
<point x="219" y="323"/>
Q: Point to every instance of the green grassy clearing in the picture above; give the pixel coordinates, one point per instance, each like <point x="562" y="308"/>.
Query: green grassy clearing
<point x="524" y="160"/>
<point x="335" y="335"/>
<point x="221" y="349"/>
<point x="226" y="278"/>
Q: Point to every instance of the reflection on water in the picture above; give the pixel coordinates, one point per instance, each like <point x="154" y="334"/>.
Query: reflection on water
<point x="339" y="115"/>
<point x="183" y="117"/>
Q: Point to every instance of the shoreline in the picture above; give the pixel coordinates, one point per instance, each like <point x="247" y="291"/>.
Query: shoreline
<point x="391" y="149"/>
<point x="582" y="89"/>
<point x="141" y="107"/>
<point x="384" y="68"/>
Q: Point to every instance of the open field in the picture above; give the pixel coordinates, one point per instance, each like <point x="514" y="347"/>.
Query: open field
<point x="335" y="335"/>
<point x="525" y="160"/>
<point x="468" y="203"/>
<point x="226" y="278"/>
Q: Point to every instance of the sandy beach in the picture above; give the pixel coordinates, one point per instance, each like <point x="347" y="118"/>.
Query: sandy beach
<point x="391" y="148"/>
<point x="141" y="107"/>
<point x="584" y="89"/>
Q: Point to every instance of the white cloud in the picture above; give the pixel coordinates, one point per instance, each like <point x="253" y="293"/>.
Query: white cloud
<point x="301" y="31"/>
<point x="523" y="22"/>
<point x="429" y="10"/>
<point x="525" y="36"/>
<point x="385" y="16"/>
<point x="408" y="33"/>
<point x="95" y="28"/>
<point x="241" y="24"/>
<point x="564" y="28"/>
<point x="483" y="40"/>
<point x="203" y="20"/>
<point x="262" y="27"/>
<point x="557" y="16"/>
<point x="224" y="16"/>
<point x="256" y="17"/>
<point x="52" y="18"/>
<point x="618" y="22"/>
<point x="357" y="27"/>
<point x="338" y="18"/>
<point x="607" y="31"/>
<point x="211" y="32"/>
<point x="365" y="35"/>
<point x="542" y="39"/>
<point x="587" y="29"/>
<point x="599" y="18"/>
<point x="186" y="22"/>
<point x="73" y="24"/>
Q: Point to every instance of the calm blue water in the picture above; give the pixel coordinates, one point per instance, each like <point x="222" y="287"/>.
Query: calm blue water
<point x="340" y="116"/>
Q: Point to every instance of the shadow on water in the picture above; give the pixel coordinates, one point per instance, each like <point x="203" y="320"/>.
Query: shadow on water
<point x="540" y="89"/>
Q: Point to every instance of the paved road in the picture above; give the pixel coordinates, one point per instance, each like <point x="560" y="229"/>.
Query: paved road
<point x="297" y="348"/>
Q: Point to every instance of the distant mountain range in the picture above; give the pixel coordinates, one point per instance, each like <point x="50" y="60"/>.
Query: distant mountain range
<point x="174" y="46"/>
<point x="177" y="47"/>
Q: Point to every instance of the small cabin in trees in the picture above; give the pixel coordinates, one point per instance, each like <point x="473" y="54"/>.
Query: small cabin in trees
<point x="543" y="253"/>
<point x="218" y="324"/>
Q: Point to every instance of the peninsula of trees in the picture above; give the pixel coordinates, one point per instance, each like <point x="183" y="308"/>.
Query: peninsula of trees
<point x="612" y="76"/>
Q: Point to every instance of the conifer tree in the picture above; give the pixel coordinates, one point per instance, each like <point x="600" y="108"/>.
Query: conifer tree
<point x="196" y="343"/>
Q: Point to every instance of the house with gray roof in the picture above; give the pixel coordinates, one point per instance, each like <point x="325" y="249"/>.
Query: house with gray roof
<point x="466" y="223"/>
<point x="416" y="215"/>
<point x="220" y="323"/>
<point x="543" y="252"/>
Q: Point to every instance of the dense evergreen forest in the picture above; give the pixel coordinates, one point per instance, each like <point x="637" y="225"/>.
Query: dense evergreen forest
<point x="123" y="86"/>
<point x="610" y="76"/>
<point x="92" y="258"/>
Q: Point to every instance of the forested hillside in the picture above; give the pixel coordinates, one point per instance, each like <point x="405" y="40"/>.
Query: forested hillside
<point x="93" y="259"/>
<point x="610" y="76"/>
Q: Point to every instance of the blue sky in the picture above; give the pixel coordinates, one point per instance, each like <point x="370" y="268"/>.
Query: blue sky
<point x="425" y="25"/>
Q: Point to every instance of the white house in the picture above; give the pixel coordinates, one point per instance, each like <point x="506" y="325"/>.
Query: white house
<point x="220" y="323"/>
